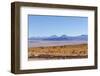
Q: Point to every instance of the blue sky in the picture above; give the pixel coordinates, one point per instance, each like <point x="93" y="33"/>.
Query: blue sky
<point x="39" y="25"/>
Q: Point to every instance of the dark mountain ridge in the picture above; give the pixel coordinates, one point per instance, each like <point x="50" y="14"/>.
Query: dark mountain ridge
<point x="61" y="38"/>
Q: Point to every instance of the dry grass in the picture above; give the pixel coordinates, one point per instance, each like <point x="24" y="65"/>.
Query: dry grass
<point x="66" y="51"/>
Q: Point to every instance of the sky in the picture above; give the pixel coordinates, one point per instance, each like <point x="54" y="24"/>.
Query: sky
<point x="42" y="25"/>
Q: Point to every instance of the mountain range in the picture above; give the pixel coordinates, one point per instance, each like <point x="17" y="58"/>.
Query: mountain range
<point x="61" y="38"/>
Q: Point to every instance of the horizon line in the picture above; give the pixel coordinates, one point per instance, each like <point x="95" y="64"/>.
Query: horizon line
<point x="59" y="36"/>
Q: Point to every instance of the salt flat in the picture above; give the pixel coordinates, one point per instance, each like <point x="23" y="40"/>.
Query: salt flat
<point x="54" y="43"/>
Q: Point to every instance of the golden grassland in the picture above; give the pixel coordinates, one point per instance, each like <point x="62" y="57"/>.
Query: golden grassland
<point x="54" y="52"/>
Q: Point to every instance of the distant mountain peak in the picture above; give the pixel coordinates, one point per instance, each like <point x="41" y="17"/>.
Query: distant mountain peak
<point x="53" y="36"/>
<point x="83" y="35"/>
<point x="63" y="36"/>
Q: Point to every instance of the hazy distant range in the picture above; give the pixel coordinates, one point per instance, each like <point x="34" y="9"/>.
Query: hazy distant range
<point x="57" y="41"/>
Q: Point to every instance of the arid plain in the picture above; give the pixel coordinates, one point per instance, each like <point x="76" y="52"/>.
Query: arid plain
<point x="58" y="52"/>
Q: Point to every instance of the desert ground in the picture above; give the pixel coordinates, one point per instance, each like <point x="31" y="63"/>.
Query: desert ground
<point x="58" y="52"/>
